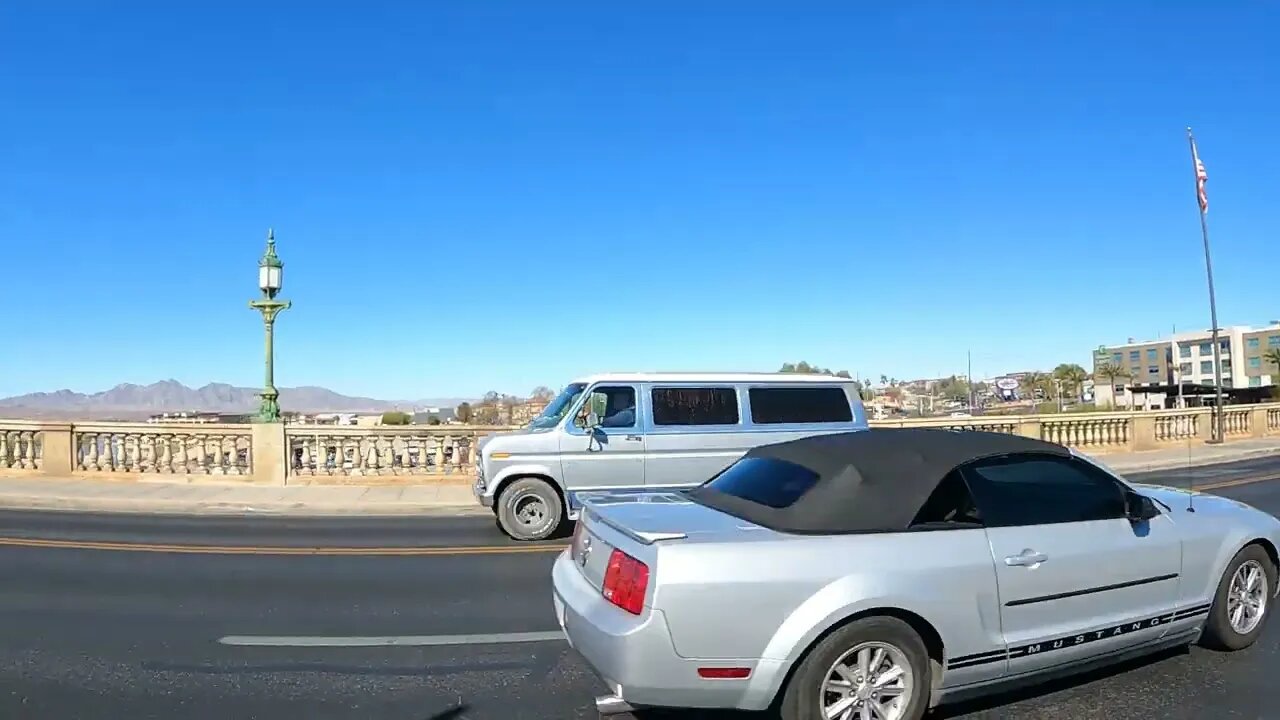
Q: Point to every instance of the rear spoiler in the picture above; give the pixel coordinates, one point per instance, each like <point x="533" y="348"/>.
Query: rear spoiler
<point x="596" y="509"/>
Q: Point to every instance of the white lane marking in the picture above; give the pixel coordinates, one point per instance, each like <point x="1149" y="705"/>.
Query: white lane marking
<point x="389" y="640"/>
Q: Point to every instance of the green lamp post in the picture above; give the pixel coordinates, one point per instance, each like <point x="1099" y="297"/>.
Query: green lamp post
<point x="270" y="274"/>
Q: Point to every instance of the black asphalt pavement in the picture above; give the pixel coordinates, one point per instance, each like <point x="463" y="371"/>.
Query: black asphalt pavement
<point x="126" y="631"/>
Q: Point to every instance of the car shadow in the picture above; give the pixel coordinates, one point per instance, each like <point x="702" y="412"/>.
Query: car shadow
<point x="960" y="709"/>
<point x="454" y="713"/>
<point x="1048" y="687"/>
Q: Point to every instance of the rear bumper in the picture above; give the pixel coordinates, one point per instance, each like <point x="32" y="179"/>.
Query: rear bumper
<point x="634" y="656"/>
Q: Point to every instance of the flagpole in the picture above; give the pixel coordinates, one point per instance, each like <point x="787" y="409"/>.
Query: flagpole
<point x="1213" y="303"/>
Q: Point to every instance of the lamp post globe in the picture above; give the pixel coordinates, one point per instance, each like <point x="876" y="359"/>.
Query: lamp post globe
<point x="270" y="269"/>
<point x="270" y="278"/>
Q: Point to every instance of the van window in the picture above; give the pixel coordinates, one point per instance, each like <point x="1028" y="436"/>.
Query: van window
<point x="771" y="406"/>
<point x="695" y="406"/>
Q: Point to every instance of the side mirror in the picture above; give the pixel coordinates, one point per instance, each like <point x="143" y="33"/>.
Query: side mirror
<point x="1140" y="508"/>
<point x="591" y="421"/>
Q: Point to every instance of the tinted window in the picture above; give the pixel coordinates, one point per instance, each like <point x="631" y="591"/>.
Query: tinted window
<point x="1042" y="490"/>
<point x="950" y="505"/>
<point x="799" y="405"/>
<point x="765" y="481"/>
<point x="695" y="406"/>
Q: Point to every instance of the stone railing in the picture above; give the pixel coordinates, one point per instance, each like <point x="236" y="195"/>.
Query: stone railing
<point x="1104" y="432"/>
<point x="280" y="454"/>
<point x="271" y="454"/>
<point x="316" y="450"/>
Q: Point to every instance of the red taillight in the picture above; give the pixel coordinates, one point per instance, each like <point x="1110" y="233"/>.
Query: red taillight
<point x="625" y="582"/>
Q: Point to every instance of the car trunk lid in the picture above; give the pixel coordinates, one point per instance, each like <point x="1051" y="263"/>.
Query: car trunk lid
<point x="637" y="524"/>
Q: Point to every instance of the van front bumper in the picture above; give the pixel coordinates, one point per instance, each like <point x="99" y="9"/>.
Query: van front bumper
<point x="477" y="489"/>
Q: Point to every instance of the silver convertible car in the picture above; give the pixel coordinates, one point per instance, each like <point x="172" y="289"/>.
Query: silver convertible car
<point x="875" y="574"/>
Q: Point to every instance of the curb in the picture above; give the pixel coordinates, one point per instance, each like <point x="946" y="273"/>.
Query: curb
<point x="1155" y="465"/>
<point x="134" y="507"/>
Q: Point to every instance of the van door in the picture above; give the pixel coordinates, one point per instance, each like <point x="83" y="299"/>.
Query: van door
<point x="610" y="456"/>
<point x="694" y="432"/>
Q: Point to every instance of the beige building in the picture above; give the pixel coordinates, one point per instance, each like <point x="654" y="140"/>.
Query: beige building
<point x="1258" y="370"/>
<point x="1152" y="370"/>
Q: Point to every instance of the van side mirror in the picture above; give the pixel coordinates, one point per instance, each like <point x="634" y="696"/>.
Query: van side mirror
<point x="591" y="421"/>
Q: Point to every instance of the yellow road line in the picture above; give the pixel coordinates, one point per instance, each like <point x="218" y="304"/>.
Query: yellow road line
<point x="277" y="550"/>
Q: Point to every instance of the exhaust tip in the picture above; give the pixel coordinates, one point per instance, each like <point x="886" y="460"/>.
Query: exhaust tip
<point x="612" y="705"/>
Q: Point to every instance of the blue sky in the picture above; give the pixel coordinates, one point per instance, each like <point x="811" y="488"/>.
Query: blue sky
<point x="475" y="196"/>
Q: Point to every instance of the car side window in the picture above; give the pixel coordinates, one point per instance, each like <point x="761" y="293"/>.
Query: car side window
<point x="1027" y="489"/>
<point x="615" y="406"/>
<point x="950" y="507"/>
<point x="695" y="406"/>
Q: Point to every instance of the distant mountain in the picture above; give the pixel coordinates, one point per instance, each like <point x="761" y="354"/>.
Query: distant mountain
<point x="129" y="401"/>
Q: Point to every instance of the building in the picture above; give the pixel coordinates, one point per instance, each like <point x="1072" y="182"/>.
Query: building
<point x="1175" y="371"/>
<point x="1259" y="369"/>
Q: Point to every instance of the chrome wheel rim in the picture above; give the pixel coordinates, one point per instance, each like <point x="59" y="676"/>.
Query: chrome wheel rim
<point x="1247" y="597"/>
<point x="873" y="681"/>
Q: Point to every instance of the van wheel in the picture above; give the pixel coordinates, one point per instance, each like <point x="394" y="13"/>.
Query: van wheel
<point x="875" y="667"/>
<point x="1243" y="601"/>
<point x="530" y="509"/>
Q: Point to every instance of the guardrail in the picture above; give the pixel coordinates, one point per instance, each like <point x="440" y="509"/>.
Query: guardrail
<point x="272" y="454"/>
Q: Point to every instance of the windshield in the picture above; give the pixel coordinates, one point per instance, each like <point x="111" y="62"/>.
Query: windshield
<point x="557" y="408"/>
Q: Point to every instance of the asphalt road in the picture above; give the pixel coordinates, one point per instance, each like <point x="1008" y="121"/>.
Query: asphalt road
<point x="143" y="617"/>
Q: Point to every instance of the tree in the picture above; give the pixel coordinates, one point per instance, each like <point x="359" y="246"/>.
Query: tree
<point x="1272" y="357"/>
<point x="805" y="368"/>
<point x="433" y="420"/>
<point x="884" y="379"/>
<point x="542" y="392"/>
<point x="1110" y="373"/>
<point x="953" y="388"/>
<point x="1072" y="377"/>
<point x="464" y="413"/>
<point x="1031" y="381"/>
<point x="396" y="418"/>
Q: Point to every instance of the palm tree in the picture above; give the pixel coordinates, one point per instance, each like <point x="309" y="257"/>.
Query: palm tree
<point x="1110" y="373"/>
<point x="1272" y="356"/>
<point x="1031" y="381"/>
<point x="1072" y="376"/>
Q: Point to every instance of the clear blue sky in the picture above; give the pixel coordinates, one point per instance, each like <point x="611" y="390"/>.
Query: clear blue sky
<point x="474" y="196"/>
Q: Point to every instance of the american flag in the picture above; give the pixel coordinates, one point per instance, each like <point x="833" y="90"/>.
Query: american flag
<point x="1201" y="178"/>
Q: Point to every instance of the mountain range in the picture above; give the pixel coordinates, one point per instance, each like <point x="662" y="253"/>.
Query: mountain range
<point x="128" y="401"/>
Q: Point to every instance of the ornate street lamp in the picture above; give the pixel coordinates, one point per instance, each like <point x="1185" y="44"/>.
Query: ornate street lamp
<point x="270" y="274"/>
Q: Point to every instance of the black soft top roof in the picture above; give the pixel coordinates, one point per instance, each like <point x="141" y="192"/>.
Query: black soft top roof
<point x="872" y="480"/>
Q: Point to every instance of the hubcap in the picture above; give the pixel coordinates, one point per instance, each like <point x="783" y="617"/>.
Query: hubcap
<point x="873" y="681"/>
<point x="1247" y="597"/>
<point x="530" y="511"/>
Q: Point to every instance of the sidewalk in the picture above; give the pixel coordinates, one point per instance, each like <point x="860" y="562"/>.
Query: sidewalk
<point x="158" y="496"/>
<point x="1190" y="455"/>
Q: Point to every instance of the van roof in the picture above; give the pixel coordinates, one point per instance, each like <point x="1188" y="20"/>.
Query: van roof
<point x="712" y="377"/>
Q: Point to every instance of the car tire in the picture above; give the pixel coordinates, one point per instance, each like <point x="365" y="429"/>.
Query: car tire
<point x="837" y="656"/>
<point x="530" y="509"/>
<point x="1229" y="626"/>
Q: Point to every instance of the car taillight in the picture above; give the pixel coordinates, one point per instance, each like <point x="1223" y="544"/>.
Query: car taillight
<point x="625" y="582"/>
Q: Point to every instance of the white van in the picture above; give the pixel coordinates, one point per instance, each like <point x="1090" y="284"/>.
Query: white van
<point x="639" y="431"/>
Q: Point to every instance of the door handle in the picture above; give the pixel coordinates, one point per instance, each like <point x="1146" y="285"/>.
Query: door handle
<point x="1027" y="558"/>
<point x="633" y="438"/>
